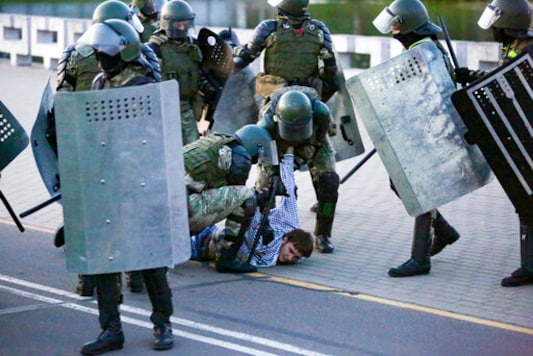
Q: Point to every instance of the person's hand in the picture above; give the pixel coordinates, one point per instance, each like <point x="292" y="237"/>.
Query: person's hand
<point x="290" y="150"/>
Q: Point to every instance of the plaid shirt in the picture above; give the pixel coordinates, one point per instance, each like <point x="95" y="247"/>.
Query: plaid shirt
<point x="283" y="218"/>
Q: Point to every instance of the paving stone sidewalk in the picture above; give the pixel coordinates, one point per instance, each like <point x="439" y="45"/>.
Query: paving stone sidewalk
<point x="372" y="230"/>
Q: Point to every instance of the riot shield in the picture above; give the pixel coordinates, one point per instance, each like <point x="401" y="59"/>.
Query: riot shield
<point x="498" y="112"/>
<point x="236" y="106"/>
<point x="405" y="104"/>
<point x="13" y="138"/>
<point x="43" y="142"/>
<point x="123" y="178"/>
<point x="347" y="142"/>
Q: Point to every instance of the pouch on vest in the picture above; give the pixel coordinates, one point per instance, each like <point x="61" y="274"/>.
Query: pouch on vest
<point x="265" y="84"/>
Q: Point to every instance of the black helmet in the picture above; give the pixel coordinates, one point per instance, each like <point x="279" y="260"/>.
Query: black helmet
<point x="114" y="38"/>
<point x="406" y="16"/>
<point x="507" y="14"/>
<point x="114" y="9"/>
<point x="292" y="8"/>
<point x="294" y="115"/>
<point x="145" y="7"/>
<point x="258" y="143"/>
<point x="173" y="13"/>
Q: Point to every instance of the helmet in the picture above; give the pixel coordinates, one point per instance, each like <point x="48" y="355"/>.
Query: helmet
<point x="508" y="14"/>
<point x="114" y="38"/>
<point x="173" y="13"/>
<point x="294" y="114"/>
<point x="258" y="143"/>
<point x="294" y="8"/>
<point x="145" y="7"/>
<point x="114" y="9"/>
<point x="406" y="16"/>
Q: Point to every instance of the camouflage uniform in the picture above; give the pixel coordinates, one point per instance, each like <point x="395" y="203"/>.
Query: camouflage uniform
<point x="213" y="196"/>
<point x="182" y="61"/>
<point x="295" y="49"/>
<point x="316" y="152"/>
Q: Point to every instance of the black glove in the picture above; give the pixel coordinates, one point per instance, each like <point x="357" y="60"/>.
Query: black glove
<point x="464" y="75"/>
<point x="210" y="92"/>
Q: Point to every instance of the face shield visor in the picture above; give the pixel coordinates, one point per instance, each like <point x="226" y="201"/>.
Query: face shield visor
<point x="102" y="38"/>
<point x="490" y="15"/>
<point x="385" y="20"/>
<point x="135" y="21"/>
<point x="268" y="153"/>
<point x="274" y="3"/>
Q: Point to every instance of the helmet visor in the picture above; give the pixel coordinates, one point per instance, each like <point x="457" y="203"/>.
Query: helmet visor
<point x="102" y="38"/>
<point x="268" y="154"/>
<point x="274" y="3"/>
<point x="384" y="21"/>
<point x="490" y="15"/>
<point x="135" y="21"/>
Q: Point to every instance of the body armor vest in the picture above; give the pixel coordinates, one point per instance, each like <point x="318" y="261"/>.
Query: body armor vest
<point x="293" y="53"/>
<point x="80" y="68"/>
<point x="181" y="62"/>
<point x="201" y="160"/>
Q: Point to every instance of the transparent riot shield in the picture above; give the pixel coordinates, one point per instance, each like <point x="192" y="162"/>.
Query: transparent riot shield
<point x="406" y="108"/>
<point x="122" y="178"/>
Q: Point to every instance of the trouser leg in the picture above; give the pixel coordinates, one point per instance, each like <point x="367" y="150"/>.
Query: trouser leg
<point x="160" y="296"/>
<point x="445" y="234"/>
<point x="108" y="290"/>
<point x="328" y="194"/>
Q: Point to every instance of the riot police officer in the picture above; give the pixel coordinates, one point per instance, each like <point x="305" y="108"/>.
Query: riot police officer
<point x="76" y="70"/>
<point x="510" y="21"/>
<point x="148" y="13"/>
<point x="409" y="22"/>
<point x="181" y="59"/>
<point x="298" y="49"/>
<point x="117" y="49"/>
<point x="217" y="168"/>
<point x="295" y="116"/>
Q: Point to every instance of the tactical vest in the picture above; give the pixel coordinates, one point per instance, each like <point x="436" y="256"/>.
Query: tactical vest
<point x="82" y="67"/>
<point x="180" y="62"/>
<point x="293" y="53"/>
<point x="201" y="160"/>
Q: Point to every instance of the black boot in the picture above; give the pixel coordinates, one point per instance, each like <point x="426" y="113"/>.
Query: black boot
<point x="523" y="275"/>
<point x="327" y="192"/>
<point x="445" y="234"/>
<point x="160" y="296"/>
<point x="111" y="338"/>
<point x="134" y="281"/>
<point x="419" y="263"/>
<point x="86" y="285"/>
<point x="227" y="261"/>
<point x="59" y="239"/>
<point x="323" y="244"/>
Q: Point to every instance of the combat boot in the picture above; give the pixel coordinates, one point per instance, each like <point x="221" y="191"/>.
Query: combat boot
<point x="134" y="281"/>
<point x="419" y="263"/>
<point x="445" y="234"/>
<point x="163" y="337"/>
<point x="86" y="285"/>
<point x="523" y="275"/>
<point x="59" y="238"/>
<point x="323" y="245"/>
<point x="111" y="338"/>
<point x="227" y="261"/>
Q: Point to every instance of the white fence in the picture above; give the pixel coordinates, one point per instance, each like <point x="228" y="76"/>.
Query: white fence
<point x="25" y="38"/>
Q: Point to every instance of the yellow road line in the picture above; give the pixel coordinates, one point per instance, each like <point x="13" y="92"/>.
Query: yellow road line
<point x="369" y="298"/>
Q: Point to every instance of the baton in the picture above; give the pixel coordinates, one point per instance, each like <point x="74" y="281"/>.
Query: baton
<point x="40" y="206"/>
<point x="358" y="165"/>
<point x="11" y="212"/>
<point x="448" y="42"/>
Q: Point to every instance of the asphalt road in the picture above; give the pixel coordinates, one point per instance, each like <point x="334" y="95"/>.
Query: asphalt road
<point x="223" y="314"/>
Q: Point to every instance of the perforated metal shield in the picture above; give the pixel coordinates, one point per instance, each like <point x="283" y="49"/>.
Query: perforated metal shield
<point x="13" y="138"/>
<point x="123" y="178"/>
<point x="44" y="144"/>
<point x="498" y="111"/>
<point x="347" y="142"/>
<point x="216" y="53"/>
<point x="406" y="108"/>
